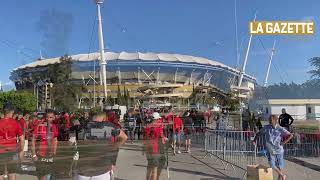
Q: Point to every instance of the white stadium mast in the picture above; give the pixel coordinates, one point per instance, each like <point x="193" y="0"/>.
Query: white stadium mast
<point x="246" y="58"/>
<point x="103" y="63"/>
<point x="270" y="61"/>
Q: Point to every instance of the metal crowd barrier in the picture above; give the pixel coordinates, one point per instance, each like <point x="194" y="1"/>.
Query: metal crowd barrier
<point x="230" y="147"/>
<point x="303" y="144"/>
<point x="235" y="148"/>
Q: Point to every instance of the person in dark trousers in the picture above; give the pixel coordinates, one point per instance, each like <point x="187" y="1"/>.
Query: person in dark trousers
<point x="188" y="128"/>
<point x="138" y="126"/>
<point x="284" y="119"/>
<point x="258" y="124"/>
<point x="130" y="125"/>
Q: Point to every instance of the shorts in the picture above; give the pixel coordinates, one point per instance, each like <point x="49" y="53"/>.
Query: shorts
<point x="176" y="137"/>
<point x="156" y="160"/>
<point x="187" y="134"/>
<point x="105" y="176"/>
<point x="44" y="168"/>
<point x="276" y="160"/>
<point x="12" y="165"/>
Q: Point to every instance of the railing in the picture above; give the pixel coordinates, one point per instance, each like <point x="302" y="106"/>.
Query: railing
<point x="235" y="148"/>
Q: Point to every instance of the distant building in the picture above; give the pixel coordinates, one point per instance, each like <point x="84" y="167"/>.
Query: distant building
<point x="299" y="109"/>
<point x="156" y="76"/>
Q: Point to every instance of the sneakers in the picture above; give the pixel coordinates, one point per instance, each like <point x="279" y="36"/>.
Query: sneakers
<point x="179" y="152"/>
<point x="48" y="160"/>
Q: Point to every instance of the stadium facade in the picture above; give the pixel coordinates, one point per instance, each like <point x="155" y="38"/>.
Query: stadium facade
<point x="143" y="74"/>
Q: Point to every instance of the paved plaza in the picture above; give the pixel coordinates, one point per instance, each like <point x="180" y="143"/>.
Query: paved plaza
<point x="132" y="165"/>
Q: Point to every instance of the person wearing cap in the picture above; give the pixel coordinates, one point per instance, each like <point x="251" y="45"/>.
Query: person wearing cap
<point x="188" y="128"/>
<point x="10" y="134"/>
<point x="154" y="147"/>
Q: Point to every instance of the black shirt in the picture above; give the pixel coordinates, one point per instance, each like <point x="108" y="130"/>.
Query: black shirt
<point x="97" y="151"/>
<point x="187" y="122"/>
<point x="284" y="120"/>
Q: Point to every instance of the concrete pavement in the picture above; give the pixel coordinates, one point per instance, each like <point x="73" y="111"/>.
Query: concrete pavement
<point x="132" y="165"/>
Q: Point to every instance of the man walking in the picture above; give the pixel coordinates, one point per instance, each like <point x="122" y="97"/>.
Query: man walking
<point x="272" y="136"/>
<point x="10" y="132"/>
<point x="154" y="141"/>
<point x="177" y="129"/>
<point x="104" y="138"/>
<point x="284" y="119"/>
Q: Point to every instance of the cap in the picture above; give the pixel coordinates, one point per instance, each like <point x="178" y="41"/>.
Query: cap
<point x="156" y="115"/>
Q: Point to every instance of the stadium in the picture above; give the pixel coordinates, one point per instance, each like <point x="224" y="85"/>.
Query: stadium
<point x="144" y="75"/>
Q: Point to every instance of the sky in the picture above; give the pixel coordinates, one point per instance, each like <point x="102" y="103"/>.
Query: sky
<point x="204" y="28"/>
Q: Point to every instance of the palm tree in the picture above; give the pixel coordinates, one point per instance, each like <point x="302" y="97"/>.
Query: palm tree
<point x="315" y="62"/>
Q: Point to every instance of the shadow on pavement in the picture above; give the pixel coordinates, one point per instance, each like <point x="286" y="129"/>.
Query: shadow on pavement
<point x="195" y="173"/>
<point x="305" y="164"/>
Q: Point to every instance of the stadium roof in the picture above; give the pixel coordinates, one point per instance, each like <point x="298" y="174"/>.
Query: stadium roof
<point x="133" y="57"/>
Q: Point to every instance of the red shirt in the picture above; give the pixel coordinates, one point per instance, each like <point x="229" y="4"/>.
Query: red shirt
<point x="56" y="120"/>
<point x="177" y="124"/>
<point x="153" y="133"/>
<point x="169" y="117"/>
<point x="67" y="119"/>
<point x="40" y="132"/>
<point x="9" y="130"/>
<point x="23" y="124"/>
<point x="34" y="123"/>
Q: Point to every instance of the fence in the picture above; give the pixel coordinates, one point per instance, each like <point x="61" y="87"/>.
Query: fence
<point x="235" y="148"/>
<point x="230" y="147"/>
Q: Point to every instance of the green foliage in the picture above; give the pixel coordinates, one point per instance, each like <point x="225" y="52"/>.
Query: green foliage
<point x="307" y="90"/>
<point x="65" y="94"/>
<point x="232" y="102"/>
<point x="315" y="62"/>
<point x="22" y="101"/>
<point x="60" y="73"/>
<point x="110" y="101"/>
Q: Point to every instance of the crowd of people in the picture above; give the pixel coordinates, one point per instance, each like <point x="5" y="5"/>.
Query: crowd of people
<point x="39" y="139"/>
<point x="35" y="138"/>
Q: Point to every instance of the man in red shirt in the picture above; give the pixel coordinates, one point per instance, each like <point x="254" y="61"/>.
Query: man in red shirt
<point x="23" y="123"/>
<point x="177" y="127"/>
<point x="154" y="147"/>
<point x="9" y="131"/>
<point x="47" y="134"/>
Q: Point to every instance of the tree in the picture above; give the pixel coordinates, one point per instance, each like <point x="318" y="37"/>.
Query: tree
<point x="21" y="101"/>
<point x="232" y="101"/>
<point x="315" y="62"/>
<point x="128" y="98"/>
<point x="119" y="96"/>
<point x="110" y="101"/>
<point x="65" y="93"/>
